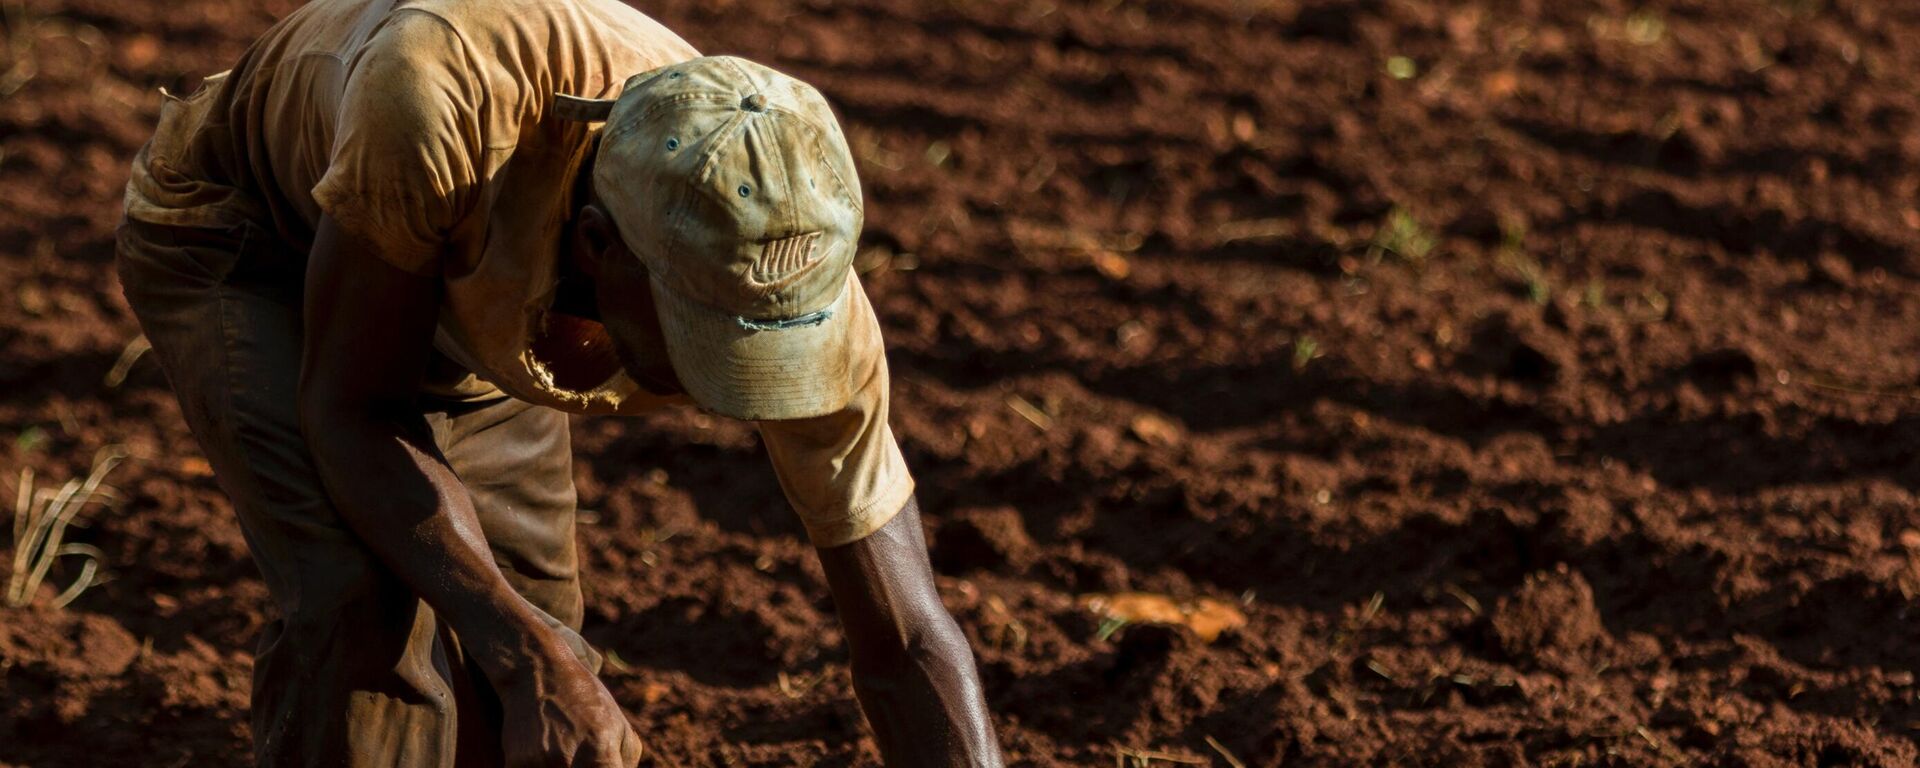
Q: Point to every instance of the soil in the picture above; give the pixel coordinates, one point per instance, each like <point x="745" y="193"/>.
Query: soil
<point x="1538" y="378"/>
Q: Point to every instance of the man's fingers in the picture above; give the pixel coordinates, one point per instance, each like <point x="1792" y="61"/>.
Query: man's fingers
<point x="631" y="748"/>
<point x="619" y="749"/>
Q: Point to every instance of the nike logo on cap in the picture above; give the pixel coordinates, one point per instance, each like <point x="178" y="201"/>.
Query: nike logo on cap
<point x="783" y="258"/>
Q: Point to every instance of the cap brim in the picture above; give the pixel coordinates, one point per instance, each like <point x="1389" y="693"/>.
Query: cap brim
<point x="737" y="370"/>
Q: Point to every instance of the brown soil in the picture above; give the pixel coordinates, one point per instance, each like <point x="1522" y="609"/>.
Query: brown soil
<point x="1554" y="404"/>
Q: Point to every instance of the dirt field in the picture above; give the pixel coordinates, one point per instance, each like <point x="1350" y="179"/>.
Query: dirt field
<point x="1540" y="378"/>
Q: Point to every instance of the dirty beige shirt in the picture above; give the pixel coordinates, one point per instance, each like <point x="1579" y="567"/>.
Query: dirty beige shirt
<point x="425" y="126"/>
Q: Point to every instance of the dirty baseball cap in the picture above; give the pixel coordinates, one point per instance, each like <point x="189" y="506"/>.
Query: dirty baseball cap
<point x="733" y="184"/>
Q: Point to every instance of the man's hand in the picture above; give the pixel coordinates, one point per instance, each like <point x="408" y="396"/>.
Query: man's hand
<point x="558" y="715"/>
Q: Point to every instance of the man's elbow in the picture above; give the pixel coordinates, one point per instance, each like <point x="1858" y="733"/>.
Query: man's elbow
<point x="330" y="413"/>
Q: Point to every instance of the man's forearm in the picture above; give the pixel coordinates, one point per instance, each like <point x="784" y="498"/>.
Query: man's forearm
<point x="394" y="490"/>
<point x="369" y="333"/>
<point x="912" y="668"/>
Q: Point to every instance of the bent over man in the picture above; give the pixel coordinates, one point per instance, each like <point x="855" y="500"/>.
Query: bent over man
<point x="382" y="258"/>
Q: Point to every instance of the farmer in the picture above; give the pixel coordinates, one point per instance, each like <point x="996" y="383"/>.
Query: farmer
<point x="385" y="256"/>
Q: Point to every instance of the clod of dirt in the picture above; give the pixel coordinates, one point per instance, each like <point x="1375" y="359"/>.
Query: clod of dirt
<point x="1146" y="648"/>
<point x="1480" y="223"/>
<point x="1550" y="620"/>
<point x="1831" y="270"/>
<point x="1510" y="348"/>
<point x="1578" y="520"/>
<point x="1338" y="23"/>
<point x="70" y="645"/>
<point x="1206" y="617"/>
<point x="983" y="539"/>
<point x="1722" y="369"/>
<point x="1688" y="150"/>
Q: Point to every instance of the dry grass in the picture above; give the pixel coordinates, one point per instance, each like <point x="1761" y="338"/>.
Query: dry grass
<point x="1032" y="413"/>
<point x="1232" y="761"/>
<point x="40" y="522"/>
<point x="1129" y="757"/>
<point x="129" y="355"/>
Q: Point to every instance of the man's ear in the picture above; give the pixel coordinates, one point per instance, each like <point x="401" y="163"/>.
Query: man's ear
<point x="594" y="238"/>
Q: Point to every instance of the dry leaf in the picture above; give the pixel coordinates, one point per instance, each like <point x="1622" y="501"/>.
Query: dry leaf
<point x="1205" y="617"/>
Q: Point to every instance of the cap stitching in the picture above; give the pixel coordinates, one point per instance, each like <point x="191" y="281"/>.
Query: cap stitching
<point x="801" y="116"/>
<point x="712" y="158"/>
<point x="820" y="135"/>
<point x="685" y="194"/>
<point x="627" y="125"/>
<point x="820" y="155"/>
<point x="786" y="171"/>
<point x="677" y="213"/>
<point x="745" y="76"/>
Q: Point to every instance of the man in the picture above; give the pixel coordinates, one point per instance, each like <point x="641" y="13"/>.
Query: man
<point x="382" y="257"/>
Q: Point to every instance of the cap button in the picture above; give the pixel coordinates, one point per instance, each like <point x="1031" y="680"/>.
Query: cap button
<point x="754" y="103"/>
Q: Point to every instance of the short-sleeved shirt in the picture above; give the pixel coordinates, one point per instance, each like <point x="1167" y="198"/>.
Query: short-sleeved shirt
<point x="427" y="128"/>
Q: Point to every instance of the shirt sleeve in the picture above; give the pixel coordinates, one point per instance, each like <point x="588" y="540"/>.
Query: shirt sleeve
<point x="842" y="472"/>
<point x="407" y="146"/>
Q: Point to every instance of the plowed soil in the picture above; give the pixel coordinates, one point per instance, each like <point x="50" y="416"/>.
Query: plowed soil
<point x="1540" y="378"/>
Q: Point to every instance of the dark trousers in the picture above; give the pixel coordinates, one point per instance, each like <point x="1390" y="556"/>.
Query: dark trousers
<point x="354" y="669"/>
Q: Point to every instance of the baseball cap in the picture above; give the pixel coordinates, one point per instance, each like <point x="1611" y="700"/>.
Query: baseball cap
<point x="734" y="186"/>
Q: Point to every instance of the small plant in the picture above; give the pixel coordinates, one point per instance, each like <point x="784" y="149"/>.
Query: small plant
<point x="1657" y="302"/>
<point x="1513" y="253"/>
<point x="40" y="521"/>
<point x="1304" y="351"/>
<point x="1402" y="235"/>
<point x="1539" y="291"/>
<point x="1354" y="626"/>
<point x="30" y="439"/>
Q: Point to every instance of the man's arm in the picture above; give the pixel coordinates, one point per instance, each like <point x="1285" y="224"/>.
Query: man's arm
<point x="369" y="330"/>
<point x="912" y="667"/>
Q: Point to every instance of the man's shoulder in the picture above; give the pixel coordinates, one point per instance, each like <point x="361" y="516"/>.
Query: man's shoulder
<point x="511" y="27"/>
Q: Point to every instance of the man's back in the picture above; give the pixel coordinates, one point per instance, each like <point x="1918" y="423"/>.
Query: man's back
<point x="425" y="126"/>
<point x="376" y="107"/>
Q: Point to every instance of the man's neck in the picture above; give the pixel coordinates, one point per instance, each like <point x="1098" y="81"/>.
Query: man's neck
<point x="574" y="289"/>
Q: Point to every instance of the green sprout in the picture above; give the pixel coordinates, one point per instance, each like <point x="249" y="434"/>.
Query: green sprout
<point x="1402" y="235"/>
<point x="1304" y="351"/>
